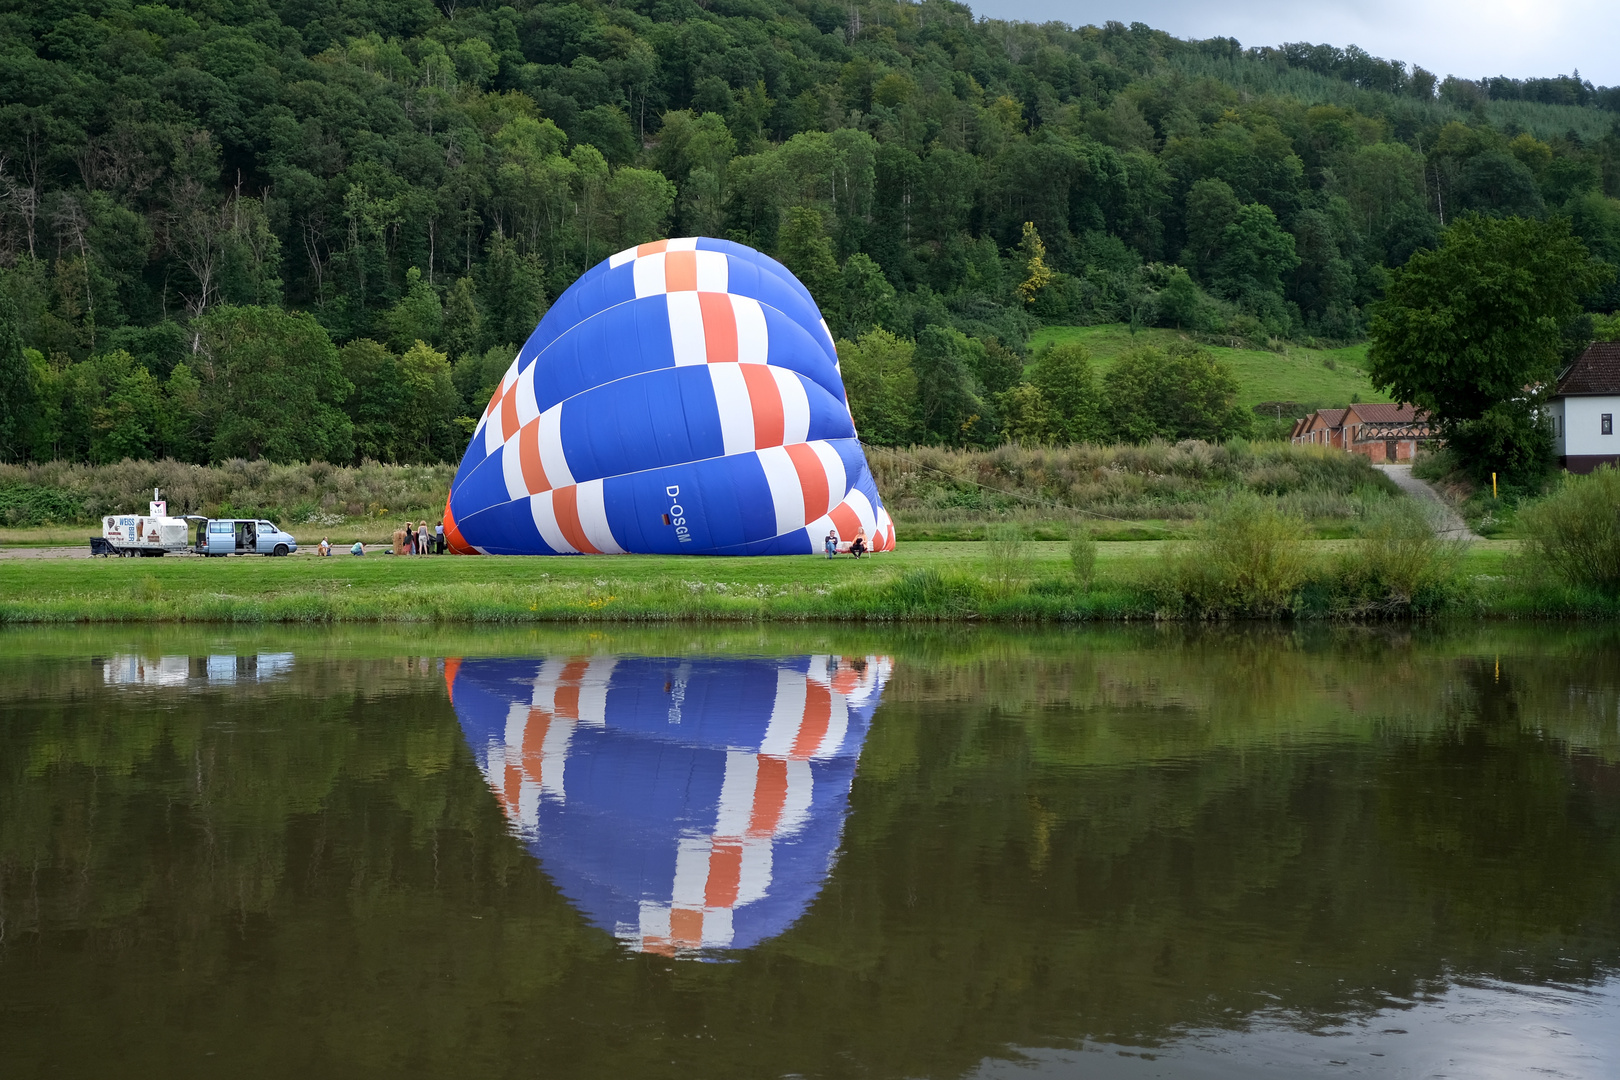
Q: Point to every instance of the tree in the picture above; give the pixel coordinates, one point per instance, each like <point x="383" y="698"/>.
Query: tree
<point x="865" y="297"/>
<point x="1183" y="392"/>
<point x="881" y="385"/>
<point x="417" y="315"/>
<point x="272" y="386"/>
<point x="426" y="421"/>
<point x="1068" y="387"/>
<point x="803" y="247"/>
<point x="948" y="402"/>
<point x="1037" y="275"/>
<point x="16" y="386"/>
<point x="375" y="401"/>
<point x="1472" y="333"/>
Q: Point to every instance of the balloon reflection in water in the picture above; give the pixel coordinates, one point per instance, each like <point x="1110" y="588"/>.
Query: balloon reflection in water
<point x="684" y="804"/>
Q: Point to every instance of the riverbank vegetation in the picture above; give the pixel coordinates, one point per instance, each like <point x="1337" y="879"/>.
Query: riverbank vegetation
<point x="1026" y="582"/>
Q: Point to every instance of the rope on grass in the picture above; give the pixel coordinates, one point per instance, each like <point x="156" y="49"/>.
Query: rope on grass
<point x="999" y="491"/>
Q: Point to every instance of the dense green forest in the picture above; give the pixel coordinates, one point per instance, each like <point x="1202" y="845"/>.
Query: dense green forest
<point x="294" y="230"/>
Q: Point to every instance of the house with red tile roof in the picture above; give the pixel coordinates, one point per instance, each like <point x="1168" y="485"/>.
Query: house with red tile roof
<point x="1381" y="431"/>
<point x="1583" y="407"/>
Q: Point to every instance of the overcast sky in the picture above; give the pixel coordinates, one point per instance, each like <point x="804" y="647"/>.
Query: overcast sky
<point x="1468" y="38"/>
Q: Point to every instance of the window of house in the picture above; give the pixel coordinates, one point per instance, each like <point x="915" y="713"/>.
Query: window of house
<point x="1608" y="423"/>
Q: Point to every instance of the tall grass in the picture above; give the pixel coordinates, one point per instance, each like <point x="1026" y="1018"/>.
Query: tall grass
<point x="292" y="494"/>
<point x="1182" y="481"/>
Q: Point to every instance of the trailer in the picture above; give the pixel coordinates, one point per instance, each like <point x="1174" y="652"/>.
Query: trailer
<point x="154" y="533"/>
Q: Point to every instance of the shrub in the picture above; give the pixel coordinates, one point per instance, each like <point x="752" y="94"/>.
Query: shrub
<point x="1008" y="556"/>
<point x="1083" y="561"/>
<point x="1248" y="559"/>
<point x="1399" y="558"/>
<point x="1575" y="531"/>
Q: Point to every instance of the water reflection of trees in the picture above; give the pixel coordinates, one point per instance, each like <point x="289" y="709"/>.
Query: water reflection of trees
<point x="1052" y="837"/>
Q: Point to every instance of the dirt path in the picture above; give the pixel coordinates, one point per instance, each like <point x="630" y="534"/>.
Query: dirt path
<point x="1447" y="523"/>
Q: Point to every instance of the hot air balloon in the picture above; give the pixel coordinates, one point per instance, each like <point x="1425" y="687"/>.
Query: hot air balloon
<point x="683" y="805"/>
<point x="682" y="397"/>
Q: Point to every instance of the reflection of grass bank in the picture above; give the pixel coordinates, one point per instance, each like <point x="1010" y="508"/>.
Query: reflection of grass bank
<point x="921" y="582"/>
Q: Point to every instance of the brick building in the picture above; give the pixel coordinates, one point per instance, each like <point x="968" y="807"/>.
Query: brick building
<point x="1381" y="431"/>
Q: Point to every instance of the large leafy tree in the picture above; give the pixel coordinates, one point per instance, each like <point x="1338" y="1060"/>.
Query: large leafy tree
<point x="1472" y="332"/>
<point x="16" y="385"/>
<point x="272" y="386"/>
<point x="1183" y="392"/>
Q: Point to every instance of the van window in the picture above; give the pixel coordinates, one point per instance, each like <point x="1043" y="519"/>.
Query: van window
<point x="219" y="526"/>
<point x="267" y="527"/>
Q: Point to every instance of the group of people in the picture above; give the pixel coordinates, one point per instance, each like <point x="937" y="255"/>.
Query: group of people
<point x="857" y="546"/>
<point x="419" y="539"/>
<point x="412" y="538"/>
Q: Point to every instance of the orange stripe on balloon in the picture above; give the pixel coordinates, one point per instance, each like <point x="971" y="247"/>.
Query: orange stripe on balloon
<point x="817" y="718"/>
<point x="509" y="413"/>
<point x="770" y="796"/>
<point x="534" y="741"/>
<point x="719" y="327"/>
<point x="686" y="927"/>
<point x="725" y="875"/>
<point x="565" y="504"/>
<point x="534" y="471"/>
<point x="812" y="479"/>
<point x="512" y="790"/>
<point x="651" y="249"/>
<point x="765" y="399"/>
<point x="567" y="701"/>
<point x="845" y="679"/>
<point x="452" y="535"/>
<point x="451" y="666"/>
<point x="845" y="520"/>
<point x="680" y="271"/>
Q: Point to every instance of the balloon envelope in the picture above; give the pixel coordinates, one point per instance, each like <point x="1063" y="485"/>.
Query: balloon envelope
<point x="684" y="805"/>
<point x="680" y="397"/>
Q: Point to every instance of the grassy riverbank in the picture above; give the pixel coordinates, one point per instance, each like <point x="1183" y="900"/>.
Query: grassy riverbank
<point x="922" y="581"/>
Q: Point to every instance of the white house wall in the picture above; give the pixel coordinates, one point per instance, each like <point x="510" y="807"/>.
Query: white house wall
<point x="1579" y="422"/>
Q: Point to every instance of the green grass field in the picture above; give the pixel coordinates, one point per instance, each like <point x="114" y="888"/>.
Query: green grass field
<point x="929" y="581"/>
<point x="1296" y="374"/>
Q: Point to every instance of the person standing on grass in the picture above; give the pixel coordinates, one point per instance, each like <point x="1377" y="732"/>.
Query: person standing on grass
<point x="424" y="546"/>
<point x="438" y="539"/>
<point x="831" y="543"/>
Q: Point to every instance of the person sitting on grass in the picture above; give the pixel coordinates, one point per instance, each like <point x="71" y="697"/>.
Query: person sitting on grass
<point x="831" y="543"/>
<point x="358" y="549"/>
<point x="324" y="547"/>
<point x="857" y="547"/>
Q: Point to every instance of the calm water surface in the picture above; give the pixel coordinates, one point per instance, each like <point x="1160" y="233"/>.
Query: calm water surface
<point x="815" y="852"/>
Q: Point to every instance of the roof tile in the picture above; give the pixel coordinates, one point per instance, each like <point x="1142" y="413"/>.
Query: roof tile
<point x="1595" y="371"/>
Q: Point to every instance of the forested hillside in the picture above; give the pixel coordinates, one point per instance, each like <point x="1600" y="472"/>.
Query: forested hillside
<point x="300" y="230"/>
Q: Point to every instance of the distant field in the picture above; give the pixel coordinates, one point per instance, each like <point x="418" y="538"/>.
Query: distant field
<point x="1297" y="374"/>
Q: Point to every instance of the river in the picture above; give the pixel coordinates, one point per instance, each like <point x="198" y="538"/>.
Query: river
<point x="811" y="851"/>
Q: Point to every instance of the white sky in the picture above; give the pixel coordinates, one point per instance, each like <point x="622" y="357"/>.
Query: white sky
<point x="1467" y="38"/>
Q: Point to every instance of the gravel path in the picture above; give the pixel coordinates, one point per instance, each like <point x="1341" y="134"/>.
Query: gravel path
<point x="1447" y="523"/>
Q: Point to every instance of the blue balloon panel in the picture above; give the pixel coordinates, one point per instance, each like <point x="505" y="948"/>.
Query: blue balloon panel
<point x="681" y="397"/>
<point x="684" y="805"/>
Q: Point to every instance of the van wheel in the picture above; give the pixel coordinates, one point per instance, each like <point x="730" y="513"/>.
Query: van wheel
<point x="281" y="549"/>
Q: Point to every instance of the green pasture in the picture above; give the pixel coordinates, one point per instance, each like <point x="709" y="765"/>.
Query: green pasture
<point x="1295" y="374"/>
<point x="930" y="581"/>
